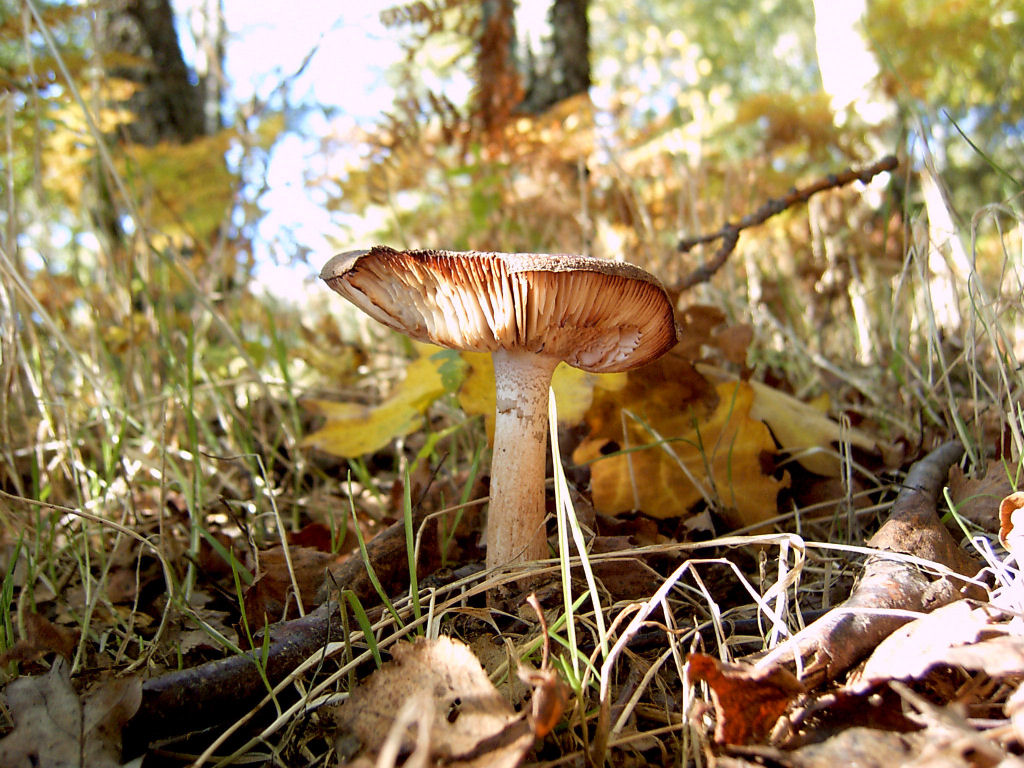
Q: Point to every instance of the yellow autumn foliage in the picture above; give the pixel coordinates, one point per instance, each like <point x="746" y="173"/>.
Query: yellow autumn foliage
<point x="354" y="429"/>
<point x="671" y="458"/>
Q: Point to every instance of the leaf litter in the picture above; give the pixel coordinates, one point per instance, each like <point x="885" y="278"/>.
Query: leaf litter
<point x="55" y="728"/>
<point x="800" y="703"/>
<point x="432" y="702"/>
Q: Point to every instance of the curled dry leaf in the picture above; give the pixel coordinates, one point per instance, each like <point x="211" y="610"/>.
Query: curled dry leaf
<point x="53" y="728"/>
<point x="977" y="498"/>
<point x="41" y="636"/>
<point x="1011" y="523"/>
<point x="550" y="694"/>
<point x="272" y="595"/>
<point x="462" y="718"/>
<point x="748" y="700"/>
<point x="944" y="636"/>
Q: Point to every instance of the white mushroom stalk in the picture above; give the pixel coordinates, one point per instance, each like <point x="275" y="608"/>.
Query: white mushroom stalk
<point x="531" y="311"/>
<point x="515" y="520"/>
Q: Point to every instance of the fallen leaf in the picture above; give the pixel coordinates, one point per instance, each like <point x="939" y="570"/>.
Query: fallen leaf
<point x="313" y="535"/>
<point x="913" y="649"/>
<point x="550" y="694"/>
<point x="690" y="451"/>
<point x="354" y="429"/>
<point x="54" y="729"/>
<point x="271" y="597"/>
<point x="1011" y="523"/>
<point x="977" y="498"/>
<point x="748" y="701"/>
<point x="41" y="636"/>
<point x="458" y="719"/>
<point x="802" y="429"/>
<point x="734" y="341"/>
<point x="858" y="746"/>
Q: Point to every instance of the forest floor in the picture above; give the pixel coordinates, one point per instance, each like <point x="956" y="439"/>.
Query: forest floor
<point x="741" y="573"/>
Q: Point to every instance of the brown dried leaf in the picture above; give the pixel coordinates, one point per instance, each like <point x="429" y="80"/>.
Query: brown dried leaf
<point x="714" y="452"/>
<point x="54" y="729"/>
<point x="458" y="717"/>
<point x="916" y="647"/>
<point x="1011" y="523"/>
<point x="42" y="636"/>
<point x="748" y="701"/>
<point x="802" y="429"/>
<point x="734" y="341"/>
<point x="977" y="498"/>
<point x="1001" y="656"/>
<point x="272" y="596"/>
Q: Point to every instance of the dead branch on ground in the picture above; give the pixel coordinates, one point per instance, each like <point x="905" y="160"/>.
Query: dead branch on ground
<point x="890" y="590"/>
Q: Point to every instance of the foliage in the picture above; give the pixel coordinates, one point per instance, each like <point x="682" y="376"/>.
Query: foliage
<point x="959" y="67"/>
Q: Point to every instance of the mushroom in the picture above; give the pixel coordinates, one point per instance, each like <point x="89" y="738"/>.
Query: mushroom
<point x="531" y="312"/>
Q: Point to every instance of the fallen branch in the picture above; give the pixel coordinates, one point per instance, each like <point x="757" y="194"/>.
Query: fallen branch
<point x="729" y="233"/>
<point x="219" y="691"/>
<point x="890" y="589"/>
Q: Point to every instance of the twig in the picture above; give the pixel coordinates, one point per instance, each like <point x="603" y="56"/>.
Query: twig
<point x="729" y="234"/>
<point x="217" y="691"/>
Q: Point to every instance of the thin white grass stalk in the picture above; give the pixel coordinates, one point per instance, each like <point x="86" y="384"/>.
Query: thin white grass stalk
<point x="782" y="596"/>
<point x="567" y="519"/>
<point x="282" y="532"/>
<point x="863" y="512"/>
<point x="417" y="709"/>
<point x="680" y="661"/>
<point x="929" y="566"/>
<point x="565" y="571"/>
<point x="856" y="292"/>
<point x="629" y="459"/>
<point x="846" y="476"/>
<point x="604" y="699"/>
<point x="433" y="628"/>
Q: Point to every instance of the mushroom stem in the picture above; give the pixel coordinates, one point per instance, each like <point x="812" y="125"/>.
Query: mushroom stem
<point x="515" y="517"/>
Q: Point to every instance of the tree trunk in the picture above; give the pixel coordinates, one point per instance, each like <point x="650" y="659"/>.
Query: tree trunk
<point x="562" y="68"/>
<point x="167" y="105"/>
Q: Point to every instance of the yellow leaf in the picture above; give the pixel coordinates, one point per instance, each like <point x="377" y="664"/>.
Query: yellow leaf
<point x="353" y="429"/>
<point x="801" y="428"/>
<point x="574" y="389"/>
<point x="692" y="452"/>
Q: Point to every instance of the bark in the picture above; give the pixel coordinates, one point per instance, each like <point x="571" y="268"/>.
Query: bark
<point x="140" y="36"/>
<point x="563" y="70"/>
<point x="840" y="638"/>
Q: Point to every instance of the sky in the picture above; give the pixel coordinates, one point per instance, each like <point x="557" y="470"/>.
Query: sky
<point x="268" y="42"/>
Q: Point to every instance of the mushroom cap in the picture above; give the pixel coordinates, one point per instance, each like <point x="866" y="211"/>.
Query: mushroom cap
<point x="595" y="314"/>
